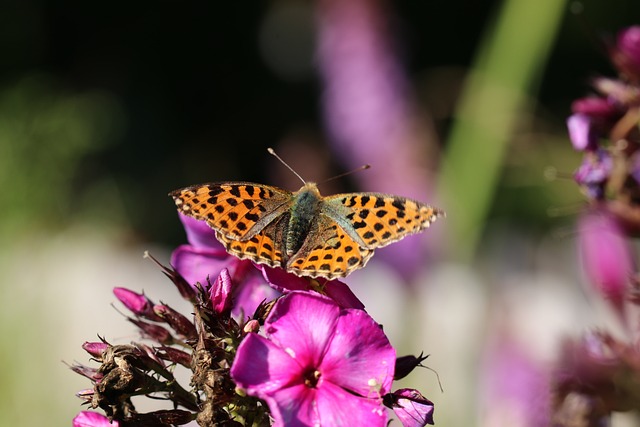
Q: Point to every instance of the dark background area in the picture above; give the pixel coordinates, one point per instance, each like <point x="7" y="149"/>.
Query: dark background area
<point x="197" y="101"/>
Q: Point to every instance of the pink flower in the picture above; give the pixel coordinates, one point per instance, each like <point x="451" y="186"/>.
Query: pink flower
<point x="93" y="419"/>
<point x="606" y="257"/>
<point x="319" y="365"/>
<point x="334" y="289"/>
<point x="205" y="258"/>
<point x="411" y="407"/>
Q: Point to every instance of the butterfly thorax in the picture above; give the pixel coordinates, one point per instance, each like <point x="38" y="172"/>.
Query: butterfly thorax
<point x="304" y="210"/>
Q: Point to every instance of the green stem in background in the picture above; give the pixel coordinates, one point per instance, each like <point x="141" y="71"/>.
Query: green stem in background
<point x="509" y="62"/>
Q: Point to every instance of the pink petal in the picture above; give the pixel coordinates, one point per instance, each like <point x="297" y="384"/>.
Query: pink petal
<point x="294" y="407"/>
<point x="341" y="293"/>
<point x="92" y="419"/>
<point x="303" y="323"/>
<point x="581" y="132"/>
<point x="338" y="407"/>
<point x="199" y="234"/>
<point x="283" y="281"/>
<point x="360" y="357"/>
<point x="261" y="367"/>
<point x="196" y="264"/>
<point x="250" y="292"/>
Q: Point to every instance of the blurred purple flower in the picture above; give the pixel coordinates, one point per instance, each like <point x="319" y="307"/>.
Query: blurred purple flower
<point x="368" y="110"/>
<point x="626" y="52"/>
<point x="319" y="364"/>
<point x="515" y="387"/>
<point x="334" y="289"/>
<point x="634" y="166"/>
<point x="411" y="407"/>
<point x="594" y="172"/>
<point x="93" y="419"/>
<point x="606" y="257"/>
<point x="581" y="132"/>
<point x="204" y="258"/>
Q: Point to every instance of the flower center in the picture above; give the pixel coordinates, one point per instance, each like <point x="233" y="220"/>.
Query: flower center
<point x="312" y="377"/>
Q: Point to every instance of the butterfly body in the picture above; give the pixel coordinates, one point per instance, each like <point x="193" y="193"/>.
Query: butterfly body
<point x="303" y="232"/>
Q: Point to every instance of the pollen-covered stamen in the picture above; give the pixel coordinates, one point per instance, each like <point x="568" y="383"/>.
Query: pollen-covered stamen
<point x="312" y="377"/>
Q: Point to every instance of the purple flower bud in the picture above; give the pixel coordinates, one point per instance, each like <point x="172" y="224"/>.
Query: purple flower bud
<point x="606" y="257"/>
<point x="594" y="172"/>
<point x="93" y="419"/>
<point x="581" y="132"/>
<point x="251" y="326"/>
<point x="411" y="407"/>
<point x="174" y="355"/>
<point x="406" y="364"/>
<point x="626" y="54"/>
<point x="220" y="292"/>
<point x="177" y="321"/>
<point x="137" y="303"/>
<point x="95" y="348"/>
<point x="154" y="332"/>
<point x="595" y="107"/>
<point x="86" y="394"/>
<point x="87" y="372"/>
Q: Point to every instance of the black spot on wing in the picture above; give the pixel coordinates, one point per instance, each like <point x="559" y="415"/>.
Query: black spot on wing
<point x="235" y="190"/>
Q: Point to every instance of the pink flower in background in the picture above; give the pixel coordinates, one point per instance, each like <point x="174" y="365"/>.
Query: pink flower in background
<point x="369" y="113"/>
<point x="606" y="257"/>
<point x="594" y="172"/>
<point x="581" y="132"/>
<point x="319" y="364"/>
<point x="515" y="386"/>
<point x="626" y="52"/>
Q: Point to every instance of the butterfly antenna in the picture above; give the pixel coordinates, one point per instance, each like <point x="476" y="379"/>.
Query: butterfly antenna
<point x="358" y="169"/>
<point x="272" y="152"/>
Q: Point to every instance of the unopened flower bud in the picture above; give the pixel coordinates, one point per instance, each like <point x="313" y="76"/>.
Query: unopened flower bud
<point x="95" y="348"/>
<point x="406" y="364"/>
<point x="154" y="332"/>
<point x="220" y="292"/>
<point x="177" y="321"/>
<point x="251" y="326"/>
<point x="411" y="407"/>
<point x="176" y="356"/>
<point x="137" y="303"/>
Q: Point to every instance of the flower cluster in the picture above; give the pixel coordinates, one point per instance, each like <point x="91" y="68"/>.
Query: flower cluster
<point x="598" y="374"/>
<point x="262" y="347"/>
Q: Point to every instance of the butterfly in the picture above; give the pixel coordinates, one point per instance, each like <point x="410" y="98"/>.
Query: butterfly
<point x="303" y="232"/>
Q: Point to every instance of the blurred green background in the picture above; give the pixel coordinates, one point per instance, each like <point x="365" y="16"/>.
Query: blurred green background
<point x="105" y="107"/>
